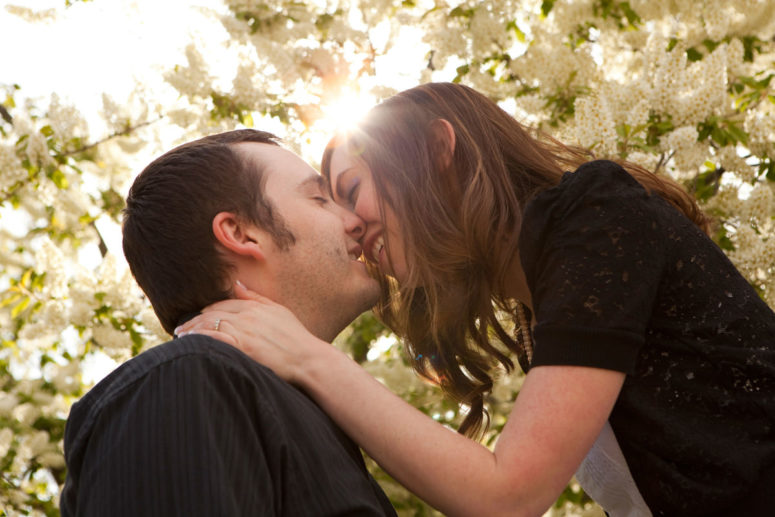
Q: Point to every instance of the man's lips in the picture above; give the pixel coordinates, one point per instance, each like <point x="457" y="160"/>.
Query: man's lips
<point x="355" y="252"/>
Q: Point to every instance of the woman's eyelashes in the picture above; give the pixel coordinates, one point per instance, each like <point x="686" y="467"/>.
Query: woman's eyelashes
<point x="352" y="193"/>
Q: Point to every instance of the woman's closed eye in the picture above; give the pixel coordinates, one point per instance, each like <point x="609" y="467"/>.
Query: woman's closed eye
<point x="352" y="193"/>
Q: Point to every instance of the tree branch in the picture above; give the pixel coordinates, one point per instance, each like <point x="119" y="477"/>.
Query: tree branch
<point x="124" y="132"/>
<point x="663" y="159"/>
<point x="102" y="246"/>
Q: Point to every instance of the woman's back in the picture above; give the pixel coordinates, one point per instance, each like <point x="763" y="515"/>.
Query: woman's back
<point x="622" y="280"/>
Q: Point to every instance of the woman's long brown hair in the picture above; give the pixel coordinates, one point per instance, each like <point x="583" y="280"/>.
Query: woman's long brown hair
<point x="460" y="221"/>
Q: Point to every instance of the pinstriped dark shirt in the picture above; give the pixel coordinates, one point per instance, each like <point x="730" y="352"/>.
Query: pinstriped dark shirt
<point x="195" y="427"/>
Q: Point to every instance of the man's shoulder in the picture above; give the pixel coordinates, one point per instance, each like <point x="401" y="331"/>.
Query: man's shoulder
<point x="176" y="355"/>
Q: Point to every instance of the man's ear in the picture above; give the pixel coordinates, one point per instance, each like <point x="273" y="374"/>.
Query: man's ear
<point x="236" y="235"/>
<point x="443" y="141"/>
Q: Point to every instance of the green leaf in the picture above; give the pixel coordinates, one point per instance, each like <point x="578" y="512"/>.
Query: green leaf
<point x="462" y="12"/>
<point x="59" y="179"/>
<point x="11" y="300"/>
<point x="461" y="71"/>
<point x="37" y="281"/>
<point x="20" y="307"/>
<point x="86" y="219"/>
<point x="112" y="202"/>
<point x="751" y="44"/>
<point x="574" y="495"/>
<point x="723" y="240"/>
<point x="706" y="185"/>
<point x="47" y="131"/>
<point x="25" y="279"/>
<point x="632" y="17"/>
<point x="738" y="134"/>
<point x="704" y="130"/>
<point x="767" y="168"/>
<point x="719" y="136"/>
<point x="365" y="330"/>
<point x="9" y="102"/>
<point x="546" y="7"/>
<point x="620" y="12"/>
<point x="671" y="44"/>
<point x="137" y="341"/>
<point x="657" y="127"/>
<point x="692" y="54"/>
<point x="324" y="21"/>
<point x="710" y="44"/>
<point x="512" y="25"/>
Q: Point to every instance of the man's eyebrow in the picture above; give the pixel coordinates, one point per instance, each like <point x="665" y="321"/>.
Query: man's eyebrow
<point x="314" y="179"/>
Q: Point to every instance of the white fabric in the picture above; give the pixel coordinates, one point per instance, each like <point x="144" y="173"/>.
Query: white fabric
<point x="605" y="477"/>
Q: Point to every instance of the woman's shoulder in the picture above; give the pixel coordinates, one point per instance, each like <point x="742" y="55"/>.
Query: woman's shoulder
<point x="601" y="175"/>
<point x="595" y="181"/>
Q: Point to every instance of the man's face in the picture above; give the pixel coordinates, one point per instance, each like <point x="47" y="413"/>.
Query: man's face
<point x="319" y="277"/>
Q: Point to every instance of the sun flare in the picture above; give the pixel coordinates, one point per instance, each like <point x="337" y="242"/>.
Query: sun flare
<point x="345" y="111"/>
<point x="342" y="113"/>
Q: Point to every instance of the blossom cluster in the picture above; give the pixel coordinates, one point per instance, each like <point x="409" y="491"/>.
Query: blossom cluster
<point x="56" y="311"/>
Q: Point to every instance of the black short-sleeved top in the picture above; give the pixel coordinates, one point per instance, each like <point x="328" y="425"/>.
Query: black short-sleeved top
<point x="195" y="427"/>
<point x="622" y="280"/>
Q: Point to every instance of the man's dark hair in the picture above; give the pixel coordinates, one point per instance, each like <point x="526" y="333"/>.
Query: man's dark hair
<point x="168" y="237"/>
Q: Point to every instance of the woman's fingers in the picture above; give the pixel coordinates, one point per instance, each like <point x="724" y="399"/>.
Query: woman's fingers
<point x="266" y="331"/>
<point x="211" y="321"/>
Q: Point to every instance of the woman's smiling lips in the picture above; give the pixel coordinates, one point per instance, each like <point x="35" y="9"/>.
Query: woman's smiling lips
<point x="373" y="247"/>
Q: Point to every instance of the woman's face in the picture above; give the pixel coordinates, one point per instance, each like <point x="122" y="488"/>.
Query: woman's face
<point x="353" y="188"/>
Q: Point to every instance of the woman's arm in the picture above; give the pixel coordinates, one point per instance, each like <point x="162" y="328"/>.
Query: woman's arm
<point x="555" y="420"/>
<point x="557" y="416"/>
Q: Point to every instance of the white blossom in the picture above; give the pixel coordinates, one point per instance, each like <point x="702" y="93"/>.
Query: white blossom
<point x="193" y="79"/>
<point x="115" y="342"/>
<point x="50" y="261"/>
<point x="66" y="121"/>
<point x="8" y="401"/>
<point x="594" y="124"/>
<point x="6" y="439"/>
<point x="26" y="413"/>
<point x="11" y="170"/>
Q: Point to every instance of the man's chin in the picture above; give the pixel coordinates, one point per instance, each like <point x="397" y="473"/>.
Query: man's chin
<point x="373" y="297"/>
<point x="367" y="302"/>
